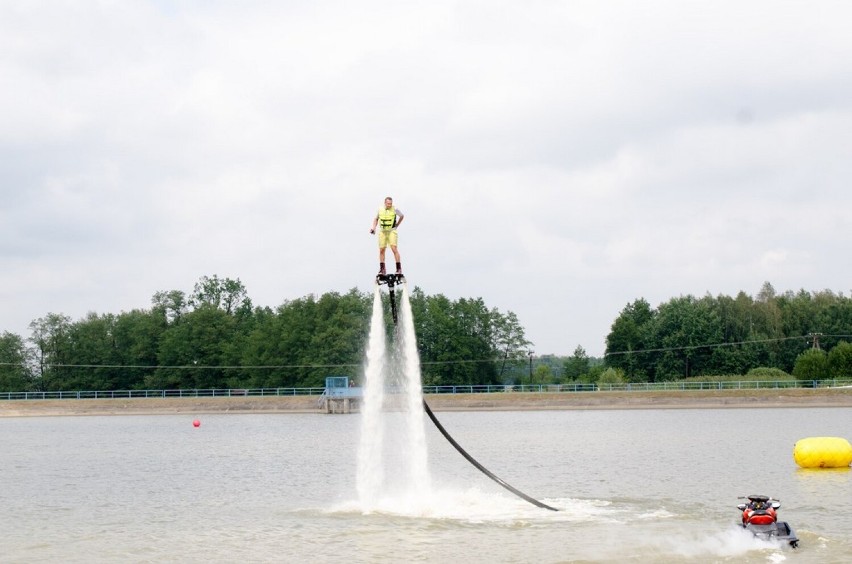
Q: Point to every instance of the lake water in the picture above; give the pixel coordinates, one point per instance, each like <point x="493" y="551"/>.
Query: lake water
<point x="631" y="485"/>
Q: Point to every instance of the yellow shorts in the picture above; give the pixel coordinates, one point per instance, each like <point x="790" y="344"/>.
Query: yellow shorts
<point x="387" y="238"/>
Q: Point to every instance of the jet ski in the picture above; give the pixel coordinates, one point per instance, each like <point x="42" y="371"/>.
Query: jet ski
<point x="760" y="516"/>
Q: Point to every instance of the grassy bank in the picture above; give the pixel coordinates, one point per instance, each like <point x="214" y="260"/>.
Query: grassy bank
<point x="505" y="401"/>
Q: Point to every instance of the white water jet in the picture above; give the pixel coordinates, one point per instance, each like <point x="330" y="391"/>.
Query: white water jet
<point x="413" y="388"/>
<point x="370" y="471"/>
<point x="392" y="454"/>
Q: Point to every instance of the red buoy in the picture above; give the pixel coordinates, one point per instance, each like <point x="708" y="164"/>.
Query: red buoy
<point x="196" y="423"/>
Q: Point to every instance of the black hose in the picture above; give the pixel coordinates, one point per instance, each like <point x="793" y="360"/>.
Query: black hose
<point x="482" y="468"/>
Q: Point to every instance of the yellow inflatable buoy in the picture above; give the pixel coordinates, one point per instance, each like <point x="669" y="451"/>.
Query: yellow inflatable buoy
<point x="823" y="452"/>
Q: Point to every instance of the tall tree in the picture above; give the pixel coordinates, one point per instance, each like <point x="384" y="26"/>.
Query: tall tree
<point x="511" y="345"/>
<point x="576" y="366"/>
<point x="15" y="374"/>
<point x="172" y="305"/>
<point x="93" y="358"/>
<point x="811" y="365"/>
<point x="840" y="360"/>
<point x="631" y="333"/>
<point x="193" y="353"/>
<point x="136" y="335"/>
<point x="683" y="328"/>
<point x="226" y="294"/>
<point x="50" y="335"/>
<point x="338" y="342"/>
<point x="463" y="342"/>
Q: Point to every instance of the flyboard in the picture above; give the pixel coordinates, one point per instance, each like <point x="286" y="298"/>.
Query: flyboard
<point x="392" y="281"/>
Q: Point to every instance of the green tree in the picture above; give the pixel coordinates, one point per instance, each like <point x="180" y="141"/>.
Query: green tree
<point x="595" y="373"/>
<point x="576" y="366"/>
<point x="463" y="333"/>
<point x="682" y="329"/>
<point x="171" y="305"/>
<point x="612" y="376"/>
<point x="542" y="374"/>
<point x="262" y="350"/>
<point x="305" y="340"/>
<point x="193" y="352"/>
<point x="215" y="338"/>
<point x="629" y="336"/>
<point x="136" y="336"/>
<point x="225" y="294"/>
<point x="797" y="319"/>
<point x="764" y="373"/>
<point x="15" y="374"/>
<point x="840" y="360"/>
<point x="736" y="324"/>
<point x="93" y="358"/>
<point x="52" y="346"/>
<point x="811" y="365"/>
<point x="464" y="342"/>
<point x="510" y="343"/>
<point x="340" y="335"/>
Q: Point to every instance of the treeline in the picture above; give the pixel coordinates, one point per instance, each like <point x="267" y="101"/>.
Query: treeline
<point x="804" y="334"/>
<point x="214" y="337"/>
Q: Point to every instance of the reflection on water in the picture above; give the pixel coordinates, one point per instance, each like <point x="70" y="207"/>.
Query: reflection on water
<point x="643" y="485"/>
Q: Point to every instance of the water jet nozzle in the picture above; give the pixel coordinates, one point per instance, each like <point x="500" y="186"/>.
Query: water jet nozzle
<point x="391" y="280"/>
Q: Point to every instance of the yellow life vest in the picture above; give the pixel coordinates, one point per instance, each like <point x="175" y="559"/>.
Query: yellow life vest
<point x="387" y="218"/>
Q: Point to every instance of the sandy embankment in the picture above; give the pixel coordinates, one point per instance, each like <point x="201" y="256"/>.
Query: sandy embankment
<point x="512" y="401"/>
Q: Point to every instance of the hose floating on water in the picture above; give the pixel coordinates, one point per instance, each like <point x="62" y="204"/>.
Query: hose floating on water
<point x="482" y="468"/>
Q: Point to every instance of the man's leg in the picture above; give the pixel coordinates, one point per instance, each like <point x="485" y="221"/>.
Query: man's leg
<point x="396" y="258"/>
<point x="382" y="260"/>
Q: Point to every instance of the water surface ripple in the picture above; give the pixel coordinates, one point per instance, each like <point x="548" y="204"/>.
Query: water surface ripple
<point x="631" y="485"/>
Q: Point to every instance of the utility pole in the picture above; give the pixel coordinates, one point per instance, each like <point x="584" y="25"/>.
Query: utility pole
<point x="503" y="367"/>
<point x="815" y="337"/>
<point x="531" y="353"/>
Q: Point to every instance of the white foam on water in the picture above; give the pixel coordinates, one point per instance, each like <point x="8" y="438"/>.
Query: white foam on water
<point x="730" y="542"/>
<point x="474" y="505"/>
<point x="656" y="514"/>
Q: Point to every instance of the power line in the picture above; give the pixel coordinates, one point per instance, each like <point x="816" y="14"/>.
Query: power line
<point x="808" y="337"/>
<point x="238" y="367"/>
<point x="717" y="345"/>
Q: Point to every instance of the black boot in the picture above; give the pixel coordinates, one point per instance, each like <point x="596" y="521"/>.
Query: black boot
<point x="399" y="268"/>
<point x="381" y="269"/>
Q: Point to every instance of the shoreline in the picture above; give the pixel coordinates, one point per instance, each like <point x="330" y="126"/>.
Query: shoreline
<point x="497" y="401"/>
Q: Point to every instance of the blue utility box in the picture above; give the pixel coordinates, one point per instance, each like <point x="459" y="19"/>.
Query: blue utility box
<point x="338" y="387"/>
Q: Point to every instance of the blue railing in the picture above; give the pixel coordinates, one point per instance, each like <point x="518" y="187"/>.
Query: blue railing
<point x="189" y="393"/>
<point x="465" y="389"/>
<point x="643" y="386"/>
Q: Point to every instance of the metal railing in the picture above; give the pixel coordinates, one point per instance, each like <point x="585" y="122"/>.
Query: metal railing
<point x="462" y="389"/>
<point x="189" y="393"/>
<point x="643" y="386"/>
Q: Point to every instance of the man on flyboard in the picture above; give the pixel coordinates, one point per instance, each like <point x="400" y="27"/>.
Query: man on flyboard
<point x="388" y="219"/>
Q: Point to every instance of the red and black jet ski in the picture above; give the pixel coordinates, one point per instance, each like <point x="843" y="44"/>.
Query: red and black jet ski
<point x="760" y="516"/>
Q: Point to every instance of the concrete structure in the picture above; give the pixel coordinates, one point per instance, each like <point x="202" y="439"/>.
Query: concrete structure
<point x="340" y="396"/>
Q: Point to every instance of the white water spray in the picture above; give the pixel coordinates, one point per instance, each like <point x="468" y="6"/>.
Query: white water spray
<point x="413" y="386"/>
<point x="370" y="471"/>
<point x="392" y="455"/>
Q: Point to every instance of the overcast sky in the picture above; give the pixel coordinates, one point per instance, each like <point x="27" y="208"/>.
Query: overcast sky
<point x="559" y="159"/>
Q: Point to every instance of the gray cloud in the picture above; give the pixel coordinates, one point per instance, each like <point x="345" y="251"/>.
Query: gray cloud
<point x="558" y="160"/>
